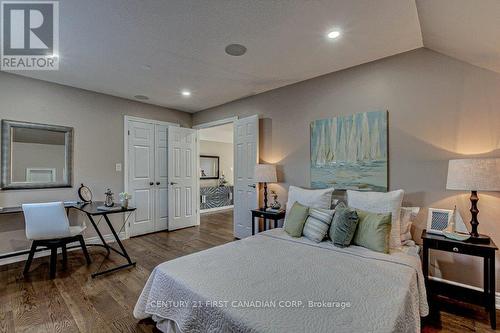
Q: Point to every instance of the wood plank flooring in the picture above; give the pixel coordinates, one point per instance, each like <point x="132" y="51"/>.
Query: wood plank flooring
<point x="74" y="302"/>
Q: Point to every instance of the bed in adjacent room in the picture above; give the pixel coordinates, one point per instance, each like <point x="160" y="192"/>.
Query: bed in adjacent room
<point x="272" y="282"/>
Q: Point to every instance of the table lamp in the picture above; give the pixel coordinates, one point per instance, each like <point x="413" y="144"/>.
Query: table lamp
<point x="265" y="173"/>
<point x="474" y="175"/>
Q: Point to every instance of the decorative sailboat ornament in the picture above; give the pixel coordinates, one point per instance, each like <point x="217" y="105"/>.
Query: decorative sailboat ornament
<point x="456" y="229"/>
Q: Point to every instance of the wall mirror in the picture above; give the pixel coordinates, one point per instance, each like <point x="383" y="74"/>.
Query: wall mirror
<point x="209" y="167"/>
<point x="36" y="156"/>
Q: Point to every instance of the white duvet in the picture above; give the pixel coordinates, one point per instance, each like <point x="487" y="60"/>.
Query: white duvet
<point x="275" y="283"/>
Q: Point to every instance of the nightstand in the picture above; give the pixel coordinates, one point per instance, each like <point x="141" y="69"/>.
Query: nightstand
<point x="266" y="215"/>
<point x="485" y="251"/>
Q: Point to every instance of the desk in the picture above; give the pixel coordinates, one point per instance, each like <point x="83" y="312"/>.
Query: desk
<point x="91" y="211"/>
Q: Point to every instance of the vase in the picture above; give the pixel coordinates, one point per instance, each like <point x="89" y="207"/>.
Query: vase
<point x="125" y="203"/>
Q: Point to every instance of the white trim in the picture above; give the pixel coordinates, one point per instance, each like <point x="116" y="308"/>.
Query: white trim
<point x="468" y="286"/>
<point x="91" y="240"/>
<point x="52" y="174"/>
<point x="216" y="209"/>
<point x="126" y="120"/>
<point x="216" y="123"/>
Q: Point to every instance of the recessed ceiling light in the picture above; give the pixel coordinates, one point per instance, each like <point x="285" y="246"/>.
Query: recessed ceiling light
<point x="333" y="34"/>
<point x="186" y="93"/>
<point x="236" y="50"/>
<point x="141" y="97"/>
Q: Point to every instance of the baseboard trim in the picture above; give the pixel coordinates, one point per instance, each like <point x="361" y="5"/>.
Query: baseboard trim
<point x="216" y="209"/>
<point x="463" y="285"/>
<point x="91" y="240"/>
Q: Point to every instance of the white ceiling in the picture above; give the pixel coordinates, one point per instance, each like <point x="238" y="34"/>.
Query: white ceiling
<point x="222" y="133"/>
<point x="468" y="30"/>
<point x="105" y="45"/>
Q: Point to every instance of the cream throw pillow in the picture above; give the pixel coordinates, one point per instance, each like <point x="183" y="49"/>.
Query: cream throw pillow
<point x="310" y="198"/>
<point x="376" y="202"/>
<point x="408" y="216"/>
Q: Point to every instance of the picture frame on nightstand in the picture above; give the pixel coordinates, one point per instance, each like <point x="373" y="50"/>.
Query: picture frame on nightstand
<point x="438" y="220"/>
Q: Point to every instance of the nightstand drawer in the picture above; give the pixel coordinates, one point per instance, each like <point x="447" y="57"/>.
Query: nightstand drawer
<point x="450" y="247"/>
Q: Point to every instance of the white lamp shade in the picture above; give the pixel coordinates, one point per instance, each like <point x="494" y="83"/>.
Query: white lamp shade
<point x="265" y="173"/>
<point x="474" y="174"/>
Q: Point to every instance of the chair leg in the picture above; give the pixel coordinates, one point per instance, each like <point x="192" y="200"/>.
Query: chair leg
<point x="53" y="261"/>
<point x="84" y="249"/>
<point x="64" y="256"/>
<point x="30" y="258"/>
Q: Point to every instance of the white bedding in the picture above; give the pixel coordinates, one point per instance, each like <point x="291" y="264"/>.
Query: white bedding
<point x="264" y="284"/>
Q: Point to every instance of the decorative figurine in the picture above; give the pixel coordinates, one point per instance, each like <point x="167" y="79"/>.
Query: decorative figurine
<point x="124" y="198"/>
<point x="222" y="180"/>
<point x="275" y="204"/>
<point x="109" y="201"/>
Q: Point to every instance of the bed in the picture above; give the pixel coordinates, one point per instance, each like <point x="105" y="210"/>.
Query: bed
<point x="272" y="282"/>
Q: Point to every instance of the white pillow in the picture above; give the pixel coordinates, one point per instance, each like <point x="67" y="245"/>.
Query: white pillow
<point x="407" y="217"/>
<point x="376" y="202"/>
<point x="310" y="198"/>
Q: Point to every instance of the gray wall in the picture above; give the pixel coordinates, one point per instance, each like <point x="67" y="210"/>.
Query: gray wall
<point x="98" y="140"/>
<point x="439" y="108"/>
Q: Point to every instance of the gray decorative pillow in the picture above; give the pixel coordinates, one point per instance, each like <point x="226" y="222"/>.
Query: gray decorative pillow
<point x="317" y="224"/>
<point x="343" y="225"/>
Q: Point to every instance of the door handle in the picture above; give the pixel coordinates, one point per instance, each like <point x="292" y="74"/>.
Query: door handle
<point x="253" y="185"/>
<point x="151" y="183"/>
<point x="157" y="183"/>
<point x="172" y="183"/>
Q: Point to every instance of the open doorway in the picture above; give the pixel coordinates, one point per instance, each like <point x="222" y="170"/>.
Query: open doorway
<point x="216" y="168"/>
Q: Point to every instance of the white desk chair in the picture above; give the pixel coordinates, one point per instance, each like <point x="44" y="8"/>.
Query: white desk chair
<point x="47" y="225"/>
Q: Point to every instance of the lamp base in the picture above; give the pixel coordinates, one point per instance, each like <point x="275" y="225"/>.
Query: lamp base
<point x="480" y="239"/>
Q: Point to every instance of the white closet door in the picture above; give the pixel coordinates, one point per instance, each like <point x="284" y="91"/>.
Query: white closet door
<point x="246" y="154"/>
<point x="161" y="177"/>
<point x="183" y="198"/>
<point x="141" y="173"/>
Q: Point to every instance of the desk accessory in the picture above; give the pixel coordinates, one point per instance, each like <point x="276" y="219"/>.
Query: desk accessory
<point x="85" y="194"/>
<point x="124" y="199"/>
<point x="109" y="201"/>
<point x="474" y="175"/>
<point x="265" y="173"/>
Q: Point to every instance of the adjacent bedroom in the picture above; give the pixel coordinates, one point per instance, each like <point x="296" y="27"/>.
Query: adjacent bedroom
<point x="249" y="166"/>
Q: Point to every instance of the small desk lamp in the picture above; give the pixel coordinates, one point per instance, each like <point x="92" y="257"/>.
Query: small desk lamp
<point x="265" y="173"/>
<point x="474" y="175"/>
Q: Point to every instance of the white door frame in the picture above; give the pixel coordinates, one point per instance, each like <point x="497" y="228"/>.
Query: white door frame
<point x="126" y="120"/>
<point x="209" y="124"/>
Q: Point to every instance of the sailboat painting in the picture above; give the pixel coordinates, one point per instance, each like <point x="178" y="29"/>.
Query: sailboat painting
<point x="350" y="152"/>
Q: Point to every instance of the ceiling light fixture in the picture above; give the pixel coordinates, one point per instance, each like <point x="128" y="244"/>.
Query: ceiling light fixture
<point x="333" y="34"/>
<point x="141" y="97"/>
<point x="186" y="93"/>
<point x="236" y="50"/>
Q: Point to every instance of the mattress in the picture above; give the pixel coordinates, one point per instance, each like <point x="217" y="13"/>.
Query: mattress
<point x="272" y="282"/>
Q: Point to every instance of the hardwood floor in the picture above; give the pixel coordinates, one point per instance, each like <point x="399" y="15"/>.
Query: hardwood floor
<point x="74" y="302"/>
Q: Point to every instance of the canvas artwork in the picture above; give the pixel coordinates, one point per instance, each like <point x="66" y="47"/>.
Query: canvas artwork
<point x="350" y="152"/>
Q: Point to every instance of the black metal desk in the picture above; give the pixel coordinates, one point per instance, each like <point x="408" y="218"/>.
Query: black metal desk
<point x="91" y="211"/>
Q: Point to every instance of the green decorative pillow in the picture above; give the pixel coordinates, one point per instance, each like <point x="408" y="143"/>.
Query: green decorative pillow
<point x="296" y="219"/>
<point x="374" y="230"/>
<point x="317" y="224"/>
<point x="343" y="226"/>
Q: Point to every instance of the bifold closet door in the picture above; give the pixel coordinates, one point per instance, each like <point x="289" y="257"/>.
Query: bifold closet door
<point x="141" y="176"/>
<point x="161" y="177"/>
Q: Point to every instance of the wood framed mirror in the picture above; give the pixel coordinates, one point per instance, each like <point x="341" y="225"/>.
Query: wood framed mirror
<point x="36" y="156"/>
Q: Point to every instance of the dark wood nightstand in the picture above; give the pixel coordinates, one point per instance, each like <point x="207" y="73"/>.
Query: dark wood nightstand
<point x="486" y="251"/>
<point x="266" y="215"/>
